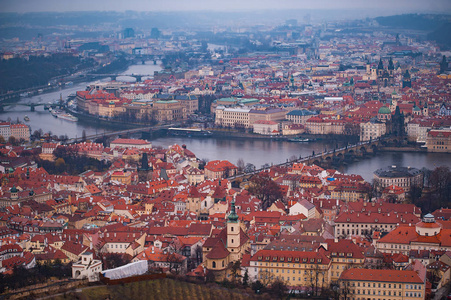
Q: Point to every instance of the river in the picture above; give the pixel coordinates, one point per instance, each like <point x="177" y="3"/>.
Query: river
<point x="42" y="119"/>
<point x="257" y="152"/>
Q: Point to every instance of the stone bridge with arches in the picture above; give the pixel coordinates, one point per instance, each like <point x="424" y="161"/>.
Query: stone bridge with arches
<point x="327" y="157"/>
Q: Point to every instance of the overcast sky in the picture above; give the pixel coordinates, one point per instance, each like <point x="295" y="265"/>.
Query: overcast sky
<point x="439" y="6"/>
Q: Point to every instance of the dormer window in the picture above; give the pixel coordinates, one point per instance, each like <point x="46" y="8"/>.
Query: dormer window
<point x="289" y="258"/>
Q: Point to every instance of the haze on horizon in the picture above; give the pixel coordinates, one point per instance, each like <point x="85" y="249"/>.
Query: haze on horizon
<point x="390" y="6"/>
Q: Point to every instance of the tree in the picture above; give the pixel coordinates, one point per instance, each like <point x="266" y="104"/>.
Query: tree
<point x="265" y="189"/>
<point x="249" y="168"/>
<point x="115" y="260"/>
<point x="258" y="287"/>
<point x="266" y="278"/>
<point x="316" y="277"/>
<point x="174" y="257"/>
<point x="246" y="278"/>
<point x="235" y="269"/>
<point x="12" y="140"/>
<point x="240" y="164"/>
<point x="278" y="288"/>
<point x="440" y="182"/>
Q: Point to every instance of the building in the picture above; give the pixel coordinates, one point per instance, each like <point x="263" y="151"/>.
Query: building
<point x="169" y="110"/>
<point x="300" y="116"/>
<point x="20" y="131"/>
<point x="296" y="268"/>
<point x="232" y="117"/>
<point x="130" y="143"/>
<point x="87" y="267"/>
<point x="382" y="284"/>
<point x="439" y="141"/>
<point x="269" y="114"/>
<point x="266" y="127"/>
<point x="404" y="177"/>
<point x="225" y="248"/>
<point x="372" y="130"/>
<point x="424" y="235"/>
<point x="145" y="172"/>
<point x="219" y="169"/>
<point x="5" y="130"/>
<point x="354" y="223"/>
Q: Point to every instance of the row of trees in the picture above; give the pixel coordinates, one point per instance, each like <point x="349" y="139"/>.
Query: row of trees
<point x="42" y="272"/>
<point x="71" y="163"/>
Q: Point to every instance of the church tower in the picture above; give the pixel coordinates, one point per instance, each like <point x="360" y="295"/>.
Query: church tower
<point x="144" y="171"/>
<point x="391" y="67"/>
<point x="380" y="68"/>
<point x="425" y="109"/>
<point x="443" y="65"/>
<point x="406" y="80"/>
<point x="233" y="234"/>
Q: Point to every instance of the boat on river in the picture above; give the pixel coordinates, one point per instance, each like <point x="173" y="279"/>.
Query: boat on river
<point x="299" y="140"/>
<point x="189" y="132"/>
<point x="26" y="118"/>
<point x="68" y="117"/>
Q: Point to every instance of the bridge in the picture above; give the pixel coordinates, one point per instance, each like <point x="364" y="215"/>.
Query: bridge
<point x="114" y="76"/>
<point x="359" y="149"/>
<point x="30" y="105"/>
<point x="126" y="132"/>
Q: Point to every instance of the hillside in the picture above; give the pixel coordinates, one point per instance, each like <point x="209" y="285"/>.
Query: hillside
<point x="160" y="289"/>
<point x="414" y="21"/>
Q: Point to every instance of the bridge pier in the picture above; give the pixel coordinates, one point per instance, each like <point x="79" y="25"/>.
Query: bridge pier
<point x="32" y="108"/>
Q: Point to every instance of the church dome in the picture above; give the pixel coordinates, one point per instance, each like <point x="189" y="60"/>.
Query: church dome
<point x="384" y="110"/>
<point x="428" y="226"/>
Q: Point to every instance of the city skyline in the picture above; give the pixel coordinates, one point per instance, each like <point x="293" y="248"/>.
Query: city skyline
<point x="435" y="6"/>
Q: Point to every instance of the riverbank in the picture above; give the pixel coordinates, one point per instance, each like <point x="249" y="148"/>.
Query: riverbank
<point x="403" y="149"/>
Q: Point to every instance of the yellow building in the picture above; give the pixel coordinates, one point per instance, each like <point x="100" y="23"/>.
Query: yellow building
<point x="122" y="177"/>
<point x="297" y="268"/>
<point x="360" y="284"/>
<point x="232" y="117"/>
<point x="20" y="131"/>
<point x="344" y="254"/>
<point x="169" y="110"/>
<point x="438" y="141"/>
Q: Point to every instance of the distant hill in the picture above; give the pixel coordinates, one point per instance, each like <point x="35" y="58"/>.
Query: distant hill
<point x="442" y="36"/>
<point x="414" y="21"/>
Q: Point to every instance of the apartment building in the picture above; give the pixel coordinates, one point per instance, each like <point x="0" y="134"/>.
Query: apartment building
<point x="362" y="284"/>
<point x="297" y="268"/>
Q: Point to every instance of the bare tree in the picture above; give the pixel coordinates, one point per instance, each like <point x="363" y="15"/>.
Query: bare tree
<point x="240" y="164"/>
